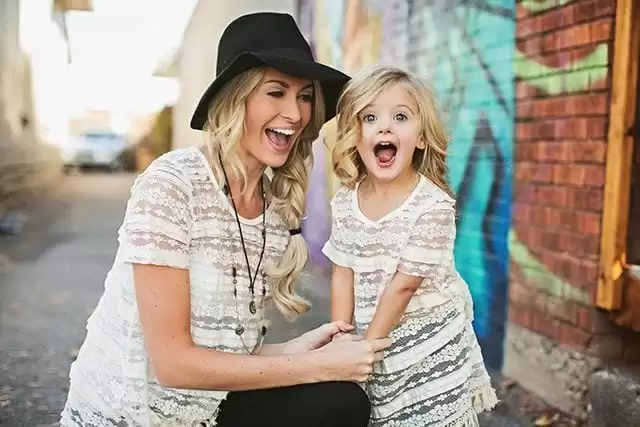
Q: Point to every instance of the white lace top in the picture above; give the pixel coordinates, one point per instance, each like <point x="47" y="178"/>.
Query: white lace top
<point x="177" y="216"/>
<point x="433" y="374"/>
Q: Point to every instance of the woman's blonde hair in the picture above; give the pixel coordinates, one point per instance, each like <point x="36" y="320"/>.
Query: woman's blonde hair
<point x="225" y="126"/>
<point x="362" y="91"/>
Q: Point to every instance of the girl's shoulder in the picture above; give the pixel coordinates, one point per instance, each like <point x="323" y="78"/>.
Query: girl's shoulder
<point x="430" y="197"/>
<point x="343" y="195"/>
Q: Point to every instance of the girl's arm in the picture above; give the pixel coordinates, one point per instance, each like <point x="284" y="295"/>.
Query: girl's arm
<point x="342" y="298"/>
<point x="428" y="253"/>
<point x="393" y="303"/>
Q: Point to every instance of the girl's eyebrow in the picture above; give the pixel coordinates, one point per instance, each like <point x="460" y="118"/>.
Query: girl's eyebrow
<point x="399" y="105"/>
<point x="406" y="106"/>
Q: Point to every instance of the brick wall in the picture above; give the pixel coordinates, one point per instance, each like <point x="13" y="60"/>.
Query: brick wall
<point x="561" y="129"/>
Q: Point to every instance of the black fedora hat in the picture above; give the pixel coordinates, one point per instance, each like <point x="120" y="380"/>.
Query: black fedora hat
<point x="268" y="39"/>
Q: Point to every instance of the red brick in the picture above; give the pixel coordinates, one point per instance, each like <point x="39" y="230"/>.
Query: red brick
<point x="562" y="309"/>
<point x="574" y="337"/>
<point x="520" y="315"/>
<point x="601" y="30"/>
<point x="594" y="321"/>
<point x="525" y="91"/>
<point x="585" y="199"/>
<point x="520" y="294"/>
<point x="524" y="131"/>
<point x="588" y="223"/>
<point x="591" y="151"/>
<point x="597" y="128"/>
<point x="544" y="324"/>
<point x="605" y="7"/>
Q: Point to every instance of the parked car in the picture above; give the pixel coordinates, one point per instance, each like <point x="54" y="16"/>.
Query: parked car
<point x="99" y="150"/>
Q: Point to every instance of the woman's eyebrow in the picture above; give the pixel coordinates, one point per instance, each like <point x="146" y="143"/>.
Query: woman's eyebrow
<point x="287" y="85"/>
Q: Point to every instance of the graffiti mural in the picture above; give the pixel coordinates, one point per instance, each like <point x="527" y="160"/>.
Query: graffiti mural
<point x="466" y="50"/>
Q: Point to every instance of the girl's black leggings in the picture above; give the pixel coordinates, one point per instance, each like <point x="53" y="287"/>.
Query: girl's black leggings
<point x="331" y="404"/>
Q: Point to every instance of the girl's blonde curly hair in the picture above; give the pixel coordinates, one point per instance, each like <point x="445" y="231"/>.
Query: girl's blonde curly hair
<point x="225" y="127"/>
<point x="361" y="91"/>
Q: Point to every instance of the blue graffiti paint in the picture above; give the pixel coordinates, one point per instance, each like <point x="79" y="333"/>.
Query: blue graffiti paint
<point x="471" y="48"/>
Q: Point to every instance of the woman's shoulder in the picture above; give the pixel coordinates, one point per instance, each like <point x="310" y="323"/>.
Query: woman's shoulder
<point x="185" y="164"/>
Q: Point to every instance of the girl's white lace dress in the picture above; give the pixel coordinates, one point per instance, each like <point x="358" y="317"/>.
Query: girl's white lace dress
<point x="434" y="373"/>
<point x="177" y="216"/>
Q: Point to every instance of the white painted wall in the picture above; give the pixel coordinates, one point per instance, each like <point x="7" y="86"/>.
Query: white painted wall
<point x="198" y="62"/>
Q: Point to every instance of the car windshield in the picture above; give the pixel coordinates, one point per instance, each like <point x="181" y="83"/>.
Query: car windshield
<point x="103" y="138"/>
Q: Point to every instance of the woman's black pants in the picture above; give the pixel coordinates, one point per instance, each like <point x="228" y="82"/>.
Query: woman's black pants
<point x="331" y="404"/>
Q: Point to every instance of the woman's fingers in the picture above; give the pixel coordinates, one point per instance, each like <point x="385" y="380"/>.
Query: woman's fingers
<point x="380" y="344"/>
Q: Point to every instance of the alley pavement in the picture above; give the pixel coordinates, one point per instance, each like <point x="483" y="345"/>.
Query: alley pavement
<point x="51" y="276"/>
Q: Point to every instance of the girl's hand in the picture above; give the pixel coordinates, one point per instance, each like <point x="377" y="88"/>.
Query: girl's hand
<point x="317" y="338"/>
<point x="351" y="359"/>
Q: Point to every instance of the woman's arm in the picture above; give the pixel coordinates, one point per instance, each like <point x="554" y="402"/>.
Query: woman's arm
<point x="342" y="294"/>
<point x="164" y="304"/>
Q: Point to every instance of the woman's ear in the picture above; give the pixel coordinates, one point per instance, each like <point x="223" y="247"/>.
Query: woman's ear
<point x="422" y="143"/>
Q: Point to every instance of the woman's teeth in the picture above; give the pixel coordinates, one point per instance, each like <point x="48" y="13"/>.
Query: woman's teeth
<point x="280" y="137"/>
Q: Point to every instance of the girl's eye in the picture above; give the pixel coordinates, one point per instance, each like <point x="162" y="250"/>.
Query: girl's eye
<point x="306" y="97"/>
<point x="368" y="118"/>
<point x="276" y="94"/>
<point x="400" y="117"/>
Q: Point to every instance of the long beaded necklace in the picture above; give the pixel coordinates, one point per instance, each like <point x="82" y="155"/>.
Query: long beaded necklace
<point x="253" y="308"/>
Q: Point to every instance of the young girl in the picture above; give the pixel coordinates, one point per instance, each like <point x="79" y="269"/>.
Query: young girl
<point x="391" y="245"/>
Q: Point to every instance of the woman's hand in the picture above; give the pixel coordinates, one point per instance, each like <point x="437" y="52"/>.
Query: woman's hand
<point x="349" y="359"/>
<point x="316" y="338"/>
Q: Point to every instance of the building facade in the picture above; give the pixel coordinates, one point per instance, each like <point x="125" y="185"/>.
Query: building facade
<point x="33" y="58"/>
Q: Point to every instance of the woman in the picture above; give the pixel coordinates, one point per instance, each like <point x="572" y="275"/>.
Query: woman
<point x="207" y="240"/>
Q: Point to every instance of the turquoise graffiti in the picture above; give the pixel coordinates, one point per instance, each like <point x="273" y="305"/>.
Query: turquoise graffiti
<point x="466" y="49"/>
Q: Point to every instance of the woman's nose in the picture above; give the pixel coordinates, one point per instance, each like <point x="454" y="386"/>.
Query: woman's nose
<point x="291" y="110"/>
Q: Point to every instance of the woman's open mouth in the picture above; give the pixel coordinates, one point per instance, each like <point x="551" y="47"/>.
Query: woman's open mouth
<point x="385" y="153"/>
<point x="280" y="138"/>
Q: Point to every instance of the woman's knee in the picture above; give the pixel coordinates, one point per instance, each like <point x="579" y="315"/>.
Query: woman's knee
<point x="349" y="402"/>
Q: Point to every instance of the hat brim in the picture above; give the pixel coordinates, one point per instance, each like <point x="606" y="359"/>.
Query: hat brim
<point x="331" y="80"/>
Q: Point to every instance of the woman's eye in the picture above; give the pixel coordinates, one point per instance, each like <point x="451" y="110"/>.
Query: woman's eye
<point x="306" y="97"/>
<point x="401" y="117"/>
<point x="368" y="118"/>
<point x="276" y="94"/>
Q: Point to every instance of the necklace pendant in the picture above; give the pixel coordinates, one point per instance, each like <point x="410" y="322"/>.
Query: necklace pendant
<point x="239" y="330"/>
<point x="252" y="307"/>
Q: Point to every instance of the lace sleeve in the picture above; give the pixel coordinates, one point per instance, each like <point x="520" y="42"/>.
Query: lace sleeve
<point x="429" y="251"/>
<point x="157" y="221"/>
<point x="337" y="248"/>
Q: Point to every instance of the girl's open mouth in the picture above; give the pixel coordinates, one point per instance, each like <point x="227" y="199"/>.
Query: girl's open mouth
<point x="385" y="153"/>
<point x="280" y="138"/>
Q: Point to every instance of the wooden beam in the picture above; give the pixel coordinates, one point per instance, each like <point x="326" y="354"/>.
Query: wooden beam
<point x="617" y="187"/>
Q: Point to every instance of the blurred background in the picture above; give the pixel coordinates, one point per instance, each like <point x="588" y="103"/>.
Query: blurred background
<point x="540" y="99"/>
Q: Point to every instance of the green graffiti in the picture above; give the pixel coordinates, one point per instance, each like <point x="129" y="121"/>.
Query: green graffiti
<point x="575" y="77"/>
<point x="536" y="273"/>
<point x="535" y="6"/>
